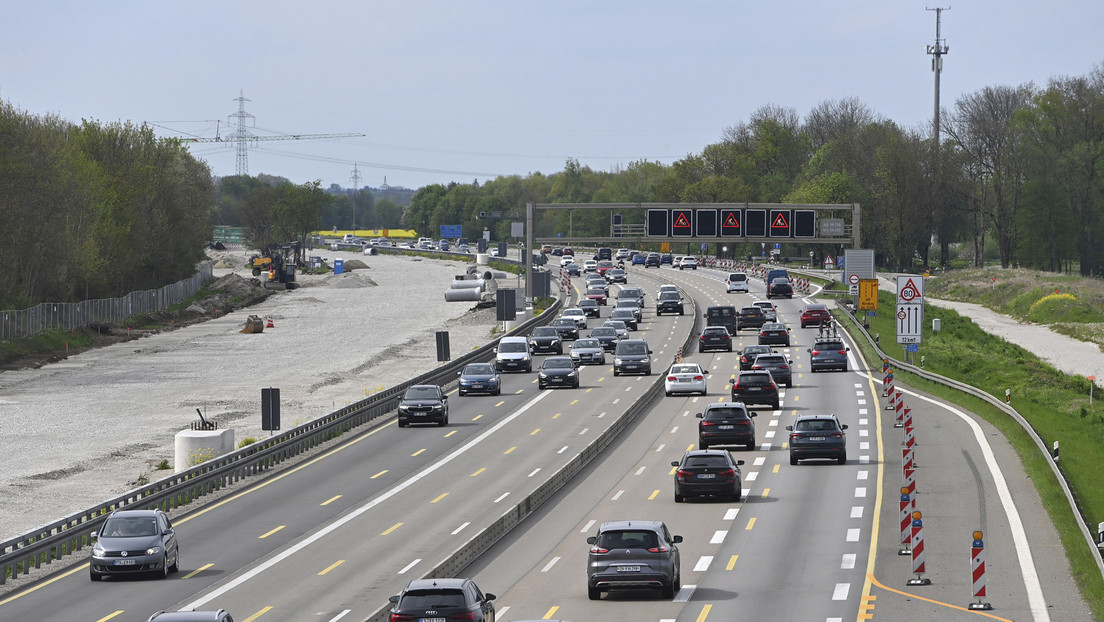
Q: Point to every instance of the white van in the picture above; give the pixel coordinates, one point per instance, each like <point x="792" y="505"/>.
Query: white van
<point x="736" y="282"/>
<point x="512" y="354"/>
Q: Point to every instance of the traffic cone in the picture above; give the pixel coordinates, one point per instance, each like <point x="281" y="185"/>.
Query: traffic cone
<point x="270" y="324"/>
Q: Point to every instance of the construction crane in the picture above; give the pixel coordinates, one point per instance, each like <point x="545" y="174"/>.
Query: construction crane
<point x="241" y="135"/>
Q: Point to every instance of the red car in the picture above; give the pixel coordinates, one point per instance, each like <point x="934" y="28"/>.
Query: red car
<point x="605" y="266"/>
<point x="597" y="294"/>
<point x="815" y="313"/>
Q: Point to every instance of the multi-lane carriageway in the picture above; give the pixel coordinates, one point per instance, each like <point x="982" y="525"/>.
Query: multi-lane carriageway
<point x="333" y="537"/>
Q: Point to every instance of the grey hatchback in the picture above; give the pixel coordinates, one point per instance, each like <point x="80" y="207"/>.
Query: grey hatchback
<point x="134" y="542"/>
<point x="633" y="554"/>
<point x="632" y="355"/>
<point x="726" y="423"/>
<point x="778" y="365"/>
<point x="817" y="436"/>
<point x="828" y="354"/>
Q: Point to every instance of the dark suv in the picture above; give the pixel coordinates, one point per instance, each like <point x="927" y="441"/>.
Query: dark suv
<point x="817" y="436"/>
<point x="652" y="260"/>
<point x="755" y="387"/>
<point x="778" y="365"/>
<point x="828" y="354"/>
<point x="546" y="339"/>
<point x="423" y="403"/>
<point x="780" y="287"/>
<point x="442" y="599"/>
<point x="633" y="555"/>
<point x="748" y="354"/>
<point x="750" y="317"/>
<point x="708" y="472"/>
<point x="715" y="338"/>
<point x="632" y="356"/>
<point x="669" y="302"/>
<point x="726" y="423"/>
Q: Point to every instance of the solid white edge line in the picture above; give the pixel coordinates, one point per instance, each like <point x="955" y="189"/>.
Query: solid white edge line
<point x="340" y="522"/>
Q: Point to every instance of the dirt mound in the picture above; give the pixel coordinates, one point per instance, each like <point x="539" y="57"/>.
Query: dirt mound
<point x="349" y="280"/>
<point x="234" y="285"/>
<point x="355" y="264"/>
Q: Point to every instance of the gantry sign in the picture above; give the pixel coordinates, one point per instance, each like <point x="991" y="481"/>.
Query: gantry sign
<point x="717" y="223"/>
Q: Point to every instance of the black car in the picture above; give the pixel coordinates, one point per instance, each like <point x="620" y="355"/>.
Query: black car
<point x="566" y="327"/>
<point x="627" y="316"/>
<point x="607" y="336"/>
<point x="546" y="339"/>
<point x="442" y="599"/>
<point x="774" y="332"/>
<point x="780" y="287"/>
<point x="652" y="260"/>
<point x="726" y="423"/>
<point x="479" y="378"/>
<point x="711" y="472"/>
<point x="755" y="387"/>
<point x="748" y="354"/>
<point x="590" y="307"/>
<point x="637" y="554"/>
<point x="817" y="436"/>
<point x="715" y="338"/>
<point x="828" y="354"/>
<point x="558" y="371"/>
<point x="669" y="302"/>
<point x="778" y="365"/>
<point x="632" y="356"/>
<point x="750" y="317"/>
<point x="134" y="542"/>
<point x="423" y="403"/>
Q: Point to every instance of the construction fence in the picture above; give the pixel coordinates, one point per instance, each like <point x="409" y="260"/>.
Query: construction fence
<point x="23" y="323"/>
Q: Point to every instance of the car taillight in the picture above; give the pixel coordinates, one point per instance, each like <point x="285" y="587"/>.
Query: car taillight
<point x="683" y="473"/>
<point x="736" y="387"/>
<point x="837" y="435"/>
<point x="757" y="367"/>
<point x="744" y="423"/>
<point x="672" y="378"/>
<point x="402" y="617"/>
<point x="842" y="351"/>
<point x="794" y="436"/>
<point x="658" y="549"/>
<point x="699" y="377"/>
<point x="815" y="352"/>
<point x="708" y="423"/>
<point x="727" y="473"/>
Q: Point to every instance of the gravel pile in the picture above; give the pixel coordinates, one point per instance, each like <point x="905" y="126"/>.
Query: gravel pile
<point x="90" y="427"/>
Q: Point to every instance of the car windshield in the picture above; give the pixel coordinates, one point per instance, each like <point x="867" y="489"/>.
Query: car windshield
<point x="587" y="343"/>
<point x="421" y="393"/>
<point x="726" y="413"/>
<point x="705" y="461"/>
<point x="668" y="295"/>
<point x="685" y="369"/>
<point x="615" y="324"/>
<point x="773" y="326"/>
<point x="573" y="312"/>
<point x="632" y="348"/>
<point x="555" y="363"/>
<point x="130" y="527"/>
<point x="479" y="369"/>
<point x="545" y="331"/>
<point x="432" y="599"/>
<point x="512" y="346"/>
<point x="563" y="321"/>
<point x="815" y="425"/>
<point x="622" y="312"/>
<point x="596" y="291"/>
<point x="753" y="350"/>
<point x="627" y="304"/>
<point x="628" y="540"/>
<point x="631" y="292"/>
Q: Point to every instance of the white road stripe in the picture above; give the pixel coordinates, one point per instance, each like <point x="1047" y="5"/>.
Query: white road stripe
<point x="718" y="537"/>
<point x="857" y="511"/>
<point x="862" y="411"/>
<point x="504" y="495"/>
<point x="840" y="593"/>
<point x="731" y="513"/>
<point x="848" y="562"/>
<point x="586" y="527"/>
<point x="640" y="470"/>
<point x="751" y="477"/>
<point x="409" y="566"/>
<point x="853" y="535"/>
<point x="703" y="563"/>
<point x="460" y="528"/>
<point x="617" y="495"/>
<point x="863" y="474"/>
<point x="860" y="491"/>
<point x="759" y="461"/>
<point x="551" y="563"/>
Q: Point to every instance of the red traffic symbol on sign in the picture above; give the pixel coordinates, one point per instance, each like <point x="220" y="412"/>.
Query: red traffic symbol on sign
<point x="780" y="222"/>
<point x="901" y="314"/>
<point x="853" y="279"/>
<point x="731" y="221"/>
<point x="681" y="220"/>
<point x="909" y="292"/>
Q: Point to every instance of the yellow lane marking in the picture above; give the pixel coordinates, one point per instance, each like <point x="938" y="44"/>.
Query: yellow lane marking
<point x="477" y="417"/>
<point x="589" y="390"/>
<point x="785" y="444"/>
<point x="873" y="580"/>
<point x="653" y="496"/>
<point x="766" y="493"/>
<point x="510" y="450"/>
<point x="271" y="532"/>
<point x="876" y="527"/>
<point x="331" y="500"/>
<point x="534" y="432"/>
<point x="704" y="613"/>
<point x="417" y="452"/>
<point x="332" y="566"/>
<point x="573" y="402"/>
<point x="500" y="403"/>
<point x="450" y="434"/>
<point x="393" y="528"/>
<point x="673" y="470"/>
<point x="797" y="398"/>
<point x="751" y="523"/>
<point x="378" y="474"/>
<point x="775" y="470"/>
<point x="441" y="496"/>
<point x="110" y="616"/>
<point x="197" y="571"/>
<point x="556" y="416"/>
<point x="732" y="562"/>
<point x="689" y="447"/>
<point x="478" y="472"/>
<point x="601" y="379"/>
<point x="551" y="612"/>
<point x="258" y="614"/>
<point x="520" y="391"/>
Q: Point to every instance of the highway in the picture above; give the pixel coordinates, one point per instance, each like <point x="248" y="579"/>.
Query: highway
<point x="334" y="537"/>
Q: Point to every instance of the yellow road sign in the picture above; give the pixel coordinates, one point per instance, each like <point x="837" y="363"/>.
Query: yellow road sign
<point x="664" y="247"/>
<point x="868" y="294"/>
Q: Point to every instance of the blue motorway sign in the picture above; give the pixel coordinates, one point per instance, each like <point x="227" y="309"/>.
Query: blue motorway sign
<point x="871" y="313"/>
<point x="912" y="347"/>
<point x="452" y="231"/>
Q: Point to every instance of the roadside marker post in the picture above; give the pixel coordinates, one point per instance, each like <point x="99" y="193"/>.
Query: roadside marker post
<point x="918" y="551"/>
<point x="977" y="563"/>
<point x="906" y="522"/>
<point x="899" y="406"/>
<point x="906" y="458"/>
<point x="910" y="485"/>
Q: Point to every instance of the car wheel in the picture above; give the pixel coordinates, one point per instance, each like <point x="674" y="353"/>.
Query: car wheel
<point x="176" y="562"/>
<point x="594" y="593"/>
<point x="793" y="459"/>
<point x="615" y="372"/>
<point x="461" y="393"/>
<point x="750" y="445"/>
<point x="739" y="494"/>
<point x="529" y="368"/>
<point x="443" y="422"/>
<point x="402" y="424"/>
<point x="648" y="372"/>
<point x="842" y="459"/>
<point x="667" y="393"/>
<point x="672" y="588"/>
<point x="730" y="348"/>
<point x="498" y="392"/>
<point x="164" y="572"/>
<point x="540" y="386"/>
<point x="775" y="405"/>
<point x="679" y="498"/>
<point x="682" y="313"/>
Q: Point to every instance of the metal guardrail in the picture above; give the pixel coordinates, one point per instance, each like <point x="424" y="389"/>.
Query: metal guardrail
<point x="22" y="323"/>
<point x="55" y="540"/>
<point x="1006" y="409"/>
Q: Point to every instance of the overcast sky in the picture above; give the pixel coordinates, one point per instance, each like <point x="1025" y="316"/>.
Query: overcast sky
<point x="464" y="90"/>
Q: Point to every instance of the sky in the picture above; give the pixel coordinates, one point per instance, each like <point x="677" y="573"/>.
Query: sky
<point x="463" y="91"/>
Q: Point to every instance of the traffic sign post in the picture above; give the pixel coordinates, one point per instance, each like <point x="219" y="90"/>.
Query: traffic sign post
<point x="910" y="309"/>
<point x="853" y="281"/>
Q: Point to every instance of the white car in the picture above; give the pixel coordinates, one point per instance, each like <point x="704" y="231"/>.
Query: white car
<point x="667" y="287"/>
<point x="590" y="266"/>
<point x="769" y="310"/>
<point x="736" y="282"/>
<point x="685" y="378"/>
<point x="677" y="260"/>
<point x="688" y="263"/>
<point x="577" y="315"/>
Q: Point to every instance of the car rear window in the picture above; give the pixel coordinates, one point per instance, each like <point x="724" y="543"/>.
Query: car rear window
<point x="721" y="311"/>
<point x="706" y="461"/>
<point x="433" y="599"/>
<point x="751" y="311"/>
<point x="815" y="425"/>
<point x="764" y="359"/>
<point x="737" y="277"/>
<point x="637" y="539"/>
<point x="754" y="379"/>
<point x="828" y="345"/>
<point x="726" y="413"/>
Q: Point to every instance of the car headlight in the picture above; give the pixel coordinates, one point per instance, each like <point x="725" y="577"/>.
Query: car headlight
<point x="617" y="360"/>
<point x="573" y="374"/>
<point x="542" y="375"/>
<point x="645" y="360"/>
<point x="153" y="550"/>
<point x="97" y="551"/>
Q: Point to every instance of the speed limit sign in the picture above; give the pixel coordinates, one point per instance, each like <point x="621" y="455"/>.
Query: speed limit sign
<point x="853" y="279"/>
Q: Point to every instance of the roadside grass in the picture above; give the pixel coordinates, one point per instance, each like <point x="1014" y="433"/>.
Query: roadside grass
<point x="49" y="341"/>
<point x="1054" y="404"/>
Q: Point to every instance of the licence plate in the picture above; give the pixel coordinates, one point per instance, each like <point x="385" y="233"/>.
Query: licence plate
<point x="707" y="475"/>
<point x="124" y="562"/>
<point x="755" y="388"/>
<point x="816" y="438"/>
<point x="431" y="620"/>
<point x="684" y="379"/>
<point x="725" y="427"/>
<point x="477" y="386"/>
<point x="628" y="569"/>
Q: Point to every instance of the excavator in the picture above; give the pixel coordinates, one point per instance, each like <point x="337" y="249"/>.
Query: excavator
<point x="279" y="261"/>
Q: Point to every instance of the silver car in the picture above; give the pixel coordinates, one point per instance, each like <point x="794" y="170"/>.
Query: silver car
<point x="134" y="542"/>
<point x="588" y="352"/>
<point x="685" y="378"/>
<point x="769" y="310"/>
